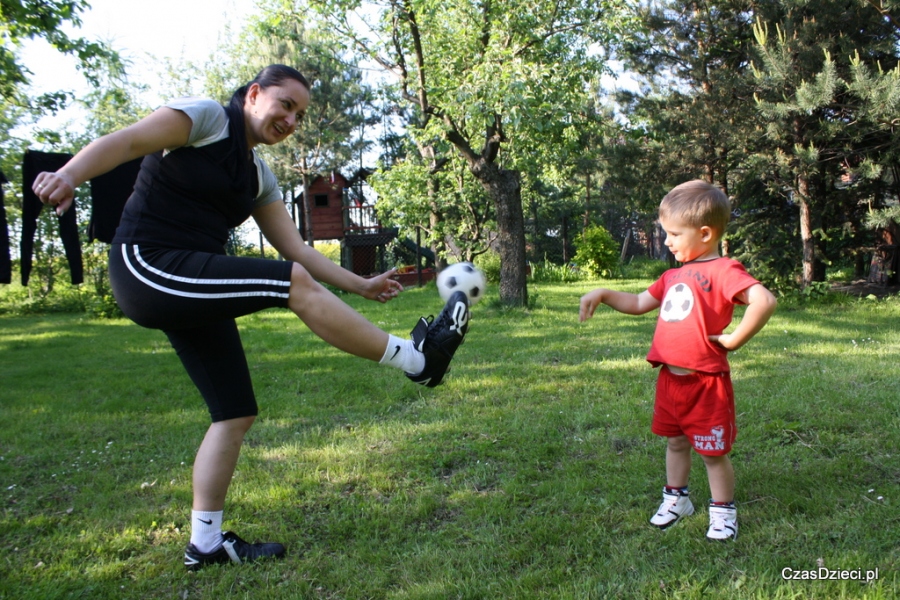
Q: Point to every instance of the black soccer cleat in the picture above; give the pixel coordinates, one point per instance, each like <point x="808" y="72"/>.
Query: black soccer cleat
<point x="233" y="549"/>
<point x="439" y="338"/>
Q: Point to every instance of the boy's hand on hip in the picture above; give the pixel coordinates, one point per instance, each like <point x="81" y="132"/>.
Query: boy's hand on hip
<point x="723" y="340"/>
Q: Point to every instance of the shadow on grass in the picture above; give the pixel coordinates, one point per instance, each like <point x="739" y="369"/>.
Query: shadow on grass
<point x="530" y="474"/>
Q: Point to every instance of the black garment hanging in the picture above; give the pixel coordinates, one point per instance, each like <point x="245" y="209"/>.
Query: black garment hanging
<point x="109" y="192"/>
<point x="5" y="262"/>
<point x="34" y="163"/>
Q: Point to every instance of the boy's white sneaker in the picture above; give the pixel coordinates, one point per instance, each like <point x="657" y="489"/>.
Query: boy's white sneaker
<point x="673" y="507"/>
<point x="722" y="523"/>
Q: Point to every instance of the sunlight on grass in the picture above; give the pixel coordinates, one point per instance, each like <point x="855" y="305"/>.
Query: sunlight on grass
<point x="530" y="474"/>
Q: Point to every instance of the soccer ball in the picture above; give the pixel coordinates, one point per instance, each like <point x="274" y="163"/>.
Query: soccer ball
<point x="461" y="277"/>
<point x="677" y="304"/>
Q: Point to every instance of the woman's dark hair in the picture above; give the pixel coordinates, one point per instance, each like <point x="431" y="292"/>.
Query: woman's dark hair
<point x="271" y="75"/>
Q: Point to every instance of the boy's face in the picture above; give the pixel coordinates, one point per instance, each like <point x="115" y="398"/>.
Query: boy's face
<point x="689" y="243"/>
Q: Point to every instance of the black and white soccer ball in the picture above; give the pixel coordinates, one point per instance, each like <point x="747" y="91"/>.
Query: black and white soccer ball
<point x="677" y="304"/>
<point x="461" y="277"/>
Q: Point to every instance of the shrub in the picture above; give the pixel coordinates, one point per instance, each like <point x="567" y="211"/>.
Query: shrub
<point x="547" y="272"/>
<point x="597" y="253"/>
<point x="489" y="263"/>
<point x="331" y="250"/>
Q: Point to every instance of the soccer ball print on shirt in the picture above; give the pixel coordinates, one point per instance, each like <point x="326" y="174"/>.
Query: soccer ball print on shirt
<point x="677" y="304"/>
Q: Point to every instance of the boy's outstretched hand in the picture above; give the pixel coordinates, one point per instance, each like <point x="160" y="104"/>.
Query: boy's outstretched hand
<point x="589" y="303"/>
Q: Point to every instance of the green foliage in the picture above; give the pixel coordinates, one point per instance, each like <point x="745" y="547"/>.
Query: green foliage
<point x="598" y="252"/>
<point x="644" y="268"/>
<point x="481" y="77"/>
<point x="331" y="250"/>
<point x="815" y="90"/>
<point x="402" y="196"/>
<point x="489" y="263"/>
<point x="818" y="294"/>
<point x="329" y="137"/>
<point x="783" y="94"/>
<point x="884" y="218"/>
<point x="549" y="272"/>
<point x="96" y="291"/>
<point x="50" y="291"/>
<point x="48" y="19"/>
<point x="66" y="298"/>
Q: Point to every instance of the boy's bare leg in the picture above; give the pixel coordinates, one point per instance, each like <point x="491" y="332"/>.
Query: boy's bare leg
<point x="678" y="461"/>
<point x="721" y="478"/>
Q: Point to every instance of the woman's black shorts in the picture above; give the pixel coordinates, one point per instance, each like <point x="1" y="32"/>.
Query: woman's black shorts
<point x="195" y="297"/>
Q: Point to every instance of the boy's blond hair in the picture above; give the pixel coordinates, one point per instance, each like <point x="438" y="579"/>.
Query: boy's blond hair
<point x="697" y="204"/>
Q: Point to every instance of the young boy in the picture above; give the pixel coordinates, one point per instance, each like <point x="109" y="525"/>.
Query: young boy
<point x="694" y="405"/>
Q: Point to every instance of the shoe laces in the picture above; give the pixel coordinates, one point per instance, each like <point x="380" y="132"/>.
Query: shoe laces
<point x="718" y="519"/>
<point x="669" y="503"/>
<point x="446" y="318"/>
<point x="443" y="319"/>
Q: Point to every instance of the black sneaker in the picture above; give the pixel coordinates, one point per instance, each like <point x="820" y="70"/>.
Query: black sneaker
<point x="439" y="338"/>
<point x="233" y="549"/>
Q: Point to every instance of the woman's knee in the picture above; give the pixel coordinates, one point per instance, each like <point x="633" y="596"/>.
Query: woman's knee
<point x="300" y="278"/>
<point x="237" y="425"/>
<point x="302" y="285"/>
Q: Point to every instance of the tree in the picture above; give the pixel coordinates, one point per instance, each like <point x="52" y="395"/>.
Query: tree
<point x="694" y="57"/>
<point x="329" y="136"/>
<point x="500" y="82"/>
<point x="879" y="172"/>
<point x="409" y="194"/>
<point x="813" y="127"/>
<point x="757" y="97"/>
<point x="29" y="19"/>
<point x="693" y="116"/>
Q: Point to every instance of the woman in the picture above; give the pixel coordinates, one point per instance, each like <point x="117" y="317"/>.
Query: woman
<point x="169" y="271"/>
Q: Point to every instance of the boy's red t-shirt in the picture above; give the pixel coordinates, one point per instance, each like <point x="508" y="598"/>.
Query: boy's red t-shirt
<point x="696" y="300"/>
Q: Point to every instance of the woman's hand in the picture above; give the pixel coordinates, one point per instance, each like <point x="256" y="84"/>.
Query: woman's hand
<point x="54" y="189"/>
<point x="381" y="288"/>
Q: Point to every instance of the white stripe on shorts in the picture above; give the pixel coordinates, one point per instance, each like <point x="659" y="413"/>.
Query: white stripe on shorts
<point x="206" y="296"/>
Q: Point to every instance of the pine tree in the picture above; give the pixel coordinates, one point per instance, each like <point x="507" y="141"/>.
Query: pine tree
<point x="813" y="131"/>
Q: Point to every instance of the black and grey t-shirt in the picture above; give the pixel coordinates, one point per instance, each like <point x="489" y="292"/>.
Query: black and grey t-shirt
<point x="189" y="197"/>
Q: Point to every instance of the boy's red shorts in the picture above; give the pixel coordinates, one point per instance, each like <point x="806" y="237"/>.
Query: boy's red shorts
<point x="699" y="406"/>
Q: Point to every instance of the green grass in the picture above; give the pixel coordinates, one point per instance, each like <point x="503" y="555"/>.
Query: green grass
<point x="530" y="474"/>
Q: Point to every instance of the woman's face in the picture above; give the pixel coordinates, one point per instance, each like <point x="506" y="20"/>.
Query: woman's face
<point x="272" y="114"/>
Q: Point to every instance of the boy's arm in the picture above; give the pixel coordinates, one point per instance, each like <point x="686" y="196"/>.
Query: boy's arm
<point x="631" y="304"/>
<point x="760" y="306"/>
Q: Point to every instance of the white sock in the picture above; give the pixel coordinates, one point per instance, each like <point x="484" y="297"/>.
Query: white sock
<point x="402" y="354"/>
<point x="206" y="530"/>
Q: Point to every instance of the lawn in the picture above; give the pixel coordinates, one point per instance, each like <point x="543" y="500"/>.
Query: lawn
<point x="531" y="473"/>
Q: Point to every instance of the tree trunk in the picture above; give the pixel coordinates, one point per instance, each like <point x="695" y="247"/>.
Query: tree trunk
<point x="507" y="194"/>
<point x="307" y="207"/>
<point x="505" y="189"/>
<point x="587" y="201"/>
<point x="624" y="254"/>
<point x="806" y="232"/>
<point x="434" y="218"/>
